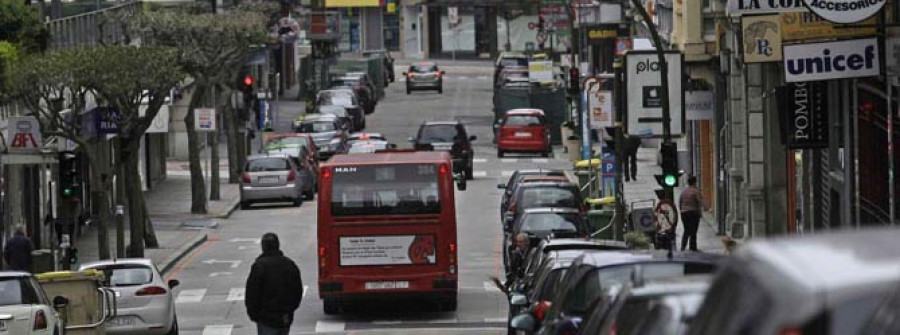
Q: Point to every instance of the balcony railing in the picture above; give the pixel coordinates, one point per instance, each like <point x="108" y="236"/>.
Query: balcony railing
<point x="90" y="28"/>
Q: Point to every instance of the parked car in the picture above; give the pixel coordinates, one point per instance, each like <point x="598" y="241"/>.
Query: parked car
<point x="326" y="132"/>
<point x="540" y="223"/>
<point x="424" y="76"/>
<point x="506" y="60"/>
<point x="592" y="273"/>
<point x="448" y="136"/>
<point x="346" y="98"/>
<point x="366" y="137"/>
<point x="361" y="85"/>
<point x="370" y="146"/>
<point x="388" y="64"/>
<point x="553" y="193"/>
<point x="516" y="177"/>
<point x="828" y="283"/>
<point x="523" y="130"/>
<point x="24" y="307"/>
<point x="504" y="206"/>
<point x="307" y="164"/>
<point x="340" y="113"/>
<point x="539" y="253"/>
<point x="144" y="299"/>
<point x="270" y="178"/>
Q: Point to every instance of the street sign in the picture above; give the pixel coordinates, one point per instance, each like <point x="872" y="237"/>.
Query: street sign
<point x="24" y="134"/>
<point x="453" y="16"/>
<point x="205" y="119"/>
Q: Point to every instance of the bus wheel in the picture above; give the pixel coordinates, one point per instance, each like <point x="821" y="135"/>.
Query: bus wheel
<point x="449" y="304"/>
<point x="330" y="307"/>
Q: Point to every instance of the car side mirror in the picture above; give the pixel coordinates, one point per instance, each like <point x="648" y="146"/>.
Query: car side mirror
<point x="443" y="72"/>
<point x="501" y="186"/>
<point x="518" y="299"/>
<point x="472" y="138"/>
<point x="60" y="302"/>
<point x="173" y="283"/>
<point x="523" y="322"/>
<point x="460" y="181"/>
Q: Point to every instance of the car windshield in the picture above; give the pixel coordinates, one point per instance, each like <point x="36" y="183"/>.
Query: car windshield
<point x="287" y="142"/>
<point x="316" y="127"/>
<point x="513" y="62"/>
<point x="127" y="274"/>
<point x="338" y="111"/>
<point x="423" y="68"/>
<point x="550" y="222"/>
<point x="549" y="197"/>
<point x="523" y="120"/>
<point x="385" y="189"/>
<point x="335" y="98"/>
<point x="268" y="164"/>
<point x="345" y="82"/>
<point x="19" y="291"/>
<point x="438" y="133"/>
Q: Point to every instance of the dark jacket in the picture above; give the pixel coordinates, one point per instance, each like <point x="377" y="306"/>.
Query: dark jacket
<point x="17" y="253"/>
<point x="274" y="290"/>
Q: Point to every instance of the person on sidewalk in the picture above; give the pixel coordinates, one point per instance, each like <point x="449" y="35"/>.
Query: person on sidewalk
<point x="691" y="203"/>
<point x="517" y="259"/>
<point x="17" y="251"/>
<point x="274" y="289"/>
<point x="629" y="162"/>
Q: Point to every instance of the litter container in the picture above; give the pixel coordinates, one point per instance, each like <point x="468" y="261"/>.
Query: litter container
<point x="602" y="220"/>
<point x="90" y="304"/>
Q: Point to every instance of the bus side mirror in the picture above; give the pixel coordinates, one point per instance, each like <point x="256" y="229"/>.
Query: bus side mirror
<point x="460" y="181"/>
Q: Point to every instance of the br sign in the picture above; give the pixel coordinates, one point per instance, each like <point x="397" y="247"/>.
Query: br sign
<point x="845" y="11"/>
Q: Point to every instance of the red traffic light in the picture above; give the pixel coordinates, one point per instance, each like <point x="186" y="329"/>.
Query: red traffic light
<point x="248" y="80"/>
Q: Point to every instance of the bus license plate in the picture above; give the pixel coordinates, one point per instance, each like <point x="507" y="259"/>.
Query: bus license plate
<point x="387" y="285"/>
<point x="523" y="134"/>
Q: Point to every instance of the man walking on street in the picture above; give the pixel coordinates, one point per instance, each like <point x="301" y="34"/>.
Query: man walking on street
<point x="274" y="289"/>
<point x="17" y="251"/>
<point x="691" y="204"/>
<point x="632" y="143"/>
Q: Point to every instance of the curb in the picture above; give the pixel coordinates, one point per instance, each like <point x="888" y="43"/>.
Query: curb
<point x="231" y="208"/>
<point x="166" y="265"/>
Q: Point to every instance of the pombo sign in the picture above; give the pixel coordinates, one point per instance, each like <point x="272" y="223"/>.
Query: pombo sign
<point x="845" y="11"/>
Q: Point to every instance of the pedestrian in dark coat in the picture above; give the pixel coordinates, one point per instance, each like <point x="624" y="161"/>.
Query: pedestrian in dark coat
<point x="17" y="251"/>
<point x="274" y="289"/>
<point x="629" y="162"/>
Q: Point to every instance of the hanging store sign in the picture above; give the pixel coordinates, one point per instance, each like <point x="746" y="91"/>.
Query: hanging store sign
<point x="602" y="34"/>
<point x="763" y="6"/>
<point x="804" y="114"/>
<point x="23" y="133"/>
<point x="762" y="38"/>
<point x="845" y="11"/>
<point x="205" y="119"/>
<point x="806" y="25"/>
<point x="601" y="111"/>
<point x="698" y="105"/>
<point x="831" y="60"/>
<point x="643" y="89"/>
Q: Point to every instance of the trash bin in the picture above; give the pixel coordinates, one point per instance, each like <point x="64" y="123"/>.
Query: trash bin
<point x="601" y="219"/>
<point x="573" y="148"/>
<point x="90" y="304"/>
<point x="42" y="260"/>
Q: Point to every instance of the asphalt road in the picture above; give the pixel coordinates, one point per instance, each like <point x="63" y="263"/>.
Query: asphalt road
<point x="210" y="298"/>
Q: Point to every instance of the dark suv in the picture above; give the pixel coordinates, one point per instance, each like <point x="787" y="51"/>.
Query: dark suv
<point x="448" y="136"/>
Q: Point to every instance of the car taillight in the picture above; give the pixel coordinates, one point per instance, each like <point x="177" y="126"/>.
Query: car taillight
<point x="791" y="331"/>
<point x="540" y="311"/>
<point x="452" y="248"/>
<point x="322" y="257"/>
<point x="40" y="320"/>
<point x="150" y="290"/>
<point x="326" y="174"/>
<point x="584" y="208"/>
<point x="443" y="169"/>
<point x="246" y="178"/>
<point x="336" y="135"/>
<point x="292" y="175"/>
<point x="511" y="208"/>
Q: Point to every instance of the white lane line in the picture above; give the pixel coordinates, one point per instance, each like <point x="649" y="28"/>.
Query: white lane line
<point x="496" y="320"/>
<point x="329" y="326"/>
<point x="305" y="287"/>
<point x="479" y="160"/>
<point x="217" y="330"/>
<point x="236" y="294"/>
<point x="194" y="295"/>
<point x="483" y="77"/>
<point x="506" y="173"/>
<point x="478" y="174"/>
<point x="540" y="160"/>
<point x="509" y="160"/>
<point x="443" y="321"/>
<point x="491" y="287"/>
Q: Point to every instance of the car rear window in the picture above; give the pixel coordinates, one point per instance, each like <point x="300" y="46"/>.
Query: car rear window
<point x="128" y="275"/>
<point x="549" y="197"/>
<point x="18" y="291"/>
<point x="421" y="68"/>
<point x="316" y="127"/>
<point x="523" y="120"/>
<point x="268" y="164"/>
<point x="551" y="221"/>
<point x="438" y="133"/>
<point x="287" y="142"/>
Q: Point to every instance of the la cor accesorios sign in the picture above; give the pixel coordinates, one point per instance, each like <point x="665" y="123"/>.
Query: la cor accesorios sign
<point x="845" y="11"/>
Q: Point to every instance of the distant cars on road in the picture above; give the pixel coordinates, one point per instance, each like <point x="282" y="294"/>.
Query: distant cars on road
<point x="271" y="178"/>
<point x="448" y="136"/>
<point x="424" y="76"/>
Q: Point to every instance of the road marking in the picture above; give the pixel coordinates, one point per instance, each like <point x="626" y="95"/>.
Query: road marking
<point x="479" y="160"/>
<point x="217" y="330"/>
<point x="491" y="287"/>
<point x="245" y="239"/>
<point x="242" y="247"/>
<point x="506" y="173"/>
<point x="194" y="295"/>
<point x="496" y="320"/>
<point x="443" y="321"/>
<point x="540" y="160"/>
<point x="483" y="77"/>
<point x="236" y="294"/>
<point x="478" y="174"/>
<point x="304" y="290"/>
<point x="509" y="160"/>
<point x="329" y="326"/>
<point x="234" y="264"/>
<point x="216" y="274"/>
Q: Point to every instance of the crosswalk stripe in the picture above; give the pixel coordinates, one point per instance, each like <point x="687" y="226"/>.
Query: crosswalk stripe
<point x="218" y="329"/>
<point x="236" y="294"/>
<point x="491" y="287"/>
<point x="329" y="326"/>
<point x="304" y="290"/>
<point x="506" y="173"/>
<point x="540" y="160"/>
<point x="194" y="295"/>
<point x="496" y="320"/>
<point x="509" y="160"/>
<point x="478" y="174"/>
<point x="479" y="160"/>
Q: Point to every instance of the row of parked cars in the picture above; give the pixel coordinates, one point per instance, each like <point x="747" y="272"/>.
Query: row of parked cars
<point x="835" y="283"/>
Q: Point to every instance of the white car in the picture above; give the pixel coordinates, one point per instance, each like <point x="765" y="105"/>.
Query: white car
<point x="144" y="299"/>
<point x="24" y="307"/>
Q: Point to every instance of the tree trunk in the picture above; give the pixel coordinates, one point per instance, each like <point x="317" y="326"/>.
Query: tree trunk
<point x="198" y="186"/>
<point x="214" y="193"/>
<point x="231" y="138"/>
<point x="120" y="199"/>
<point x="135" y="201"/>
<point x="99" y="198"/>
<point x="149" y="232"/>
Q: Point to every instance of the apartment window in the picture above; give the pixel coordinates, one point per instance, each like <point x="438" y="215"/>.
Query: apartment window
<point x="709" y="26"/>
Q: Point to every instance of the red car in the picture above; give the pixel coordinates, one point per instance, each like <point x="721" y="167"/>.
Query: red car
<point x="524" y="130"/>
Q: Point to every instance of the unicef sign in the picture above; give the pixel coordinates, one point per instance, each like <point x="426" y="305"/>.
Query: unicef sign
<point x="845" y="11"/>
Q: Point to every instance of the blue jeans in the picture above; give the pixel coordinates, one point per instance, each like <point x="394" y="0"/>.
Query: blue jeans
<point x="262" y="329"/>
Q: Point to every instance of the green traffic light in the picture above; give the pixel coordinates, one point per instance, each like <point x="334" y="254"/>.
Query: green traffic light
<point x="670" y="180"/>
<point x="68" y="192"/>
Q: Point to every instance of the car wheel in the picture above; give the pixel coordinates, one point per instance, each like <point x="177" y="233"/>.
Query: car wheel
<point x="245" y="205"/>
<point x="449" y="304"/>
<point x="298" y="201"/>
<point x="174" y="330"/>
<point x="441" y="89"/>
<point x="469" y="173"/>
<point x="499" y="153"/>
<point x="330" y="307"/>
<point x="408" y="91"/>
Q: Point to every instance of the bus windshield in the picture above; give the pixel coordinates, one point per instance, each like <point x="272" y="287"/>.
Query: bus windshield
<point x="385" y="189"/>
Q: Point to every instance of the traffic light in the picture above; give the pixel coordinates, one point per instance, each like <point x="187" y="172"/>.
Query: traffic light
<point x="670" y="173"/>
<point x="574" y="81"/>
<point x="69" y="175"/>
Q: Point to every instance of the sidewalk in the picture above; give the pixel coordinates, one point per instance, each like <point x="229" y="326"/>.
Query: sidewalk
<point x="642" y="189"/>
<point x="177" y="230"/>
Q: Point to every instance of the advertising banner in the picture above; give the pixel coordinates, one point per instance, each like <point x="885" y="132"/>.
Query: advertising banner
<point x="831" y="60"/>
<point x="601" y="109"/>
<point x="643" y="89"/>
<point x="388" y="250"/>
<point x="806" y="25"/>
<point x="540" y="71"/>
<point x="744" y="7"/>
<point x="804" y="114"/>
<point x="23" y="134"/>
<point x="205" y="119"/>
<point x="698" y="105"/>
<point x="845" y="11"/>
<point x="762" y="38"/>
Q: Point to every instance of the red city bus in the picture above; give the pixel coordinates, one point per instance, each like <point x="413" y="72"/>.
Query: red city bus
<point x="387" y="228"/>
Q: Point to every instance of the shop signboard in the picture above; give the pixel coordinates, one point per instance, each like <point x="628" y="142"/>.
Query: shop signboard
<point x="845" y="11"/>
<point x="598" y="35"/>
<point x="698" y="105"/>
<point x="24" y="134"/>
<point x="743" y="7"/>
<point x="807" y="25"/>
<point x="643" y="88"/>
<point x="762" y="38"/>
<point x="205" y="119"/>
<point x="540" y="71"/>
<point x="601" y="109"/>
<point x="804" y="114"/>
<point x="831" y="60"/>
